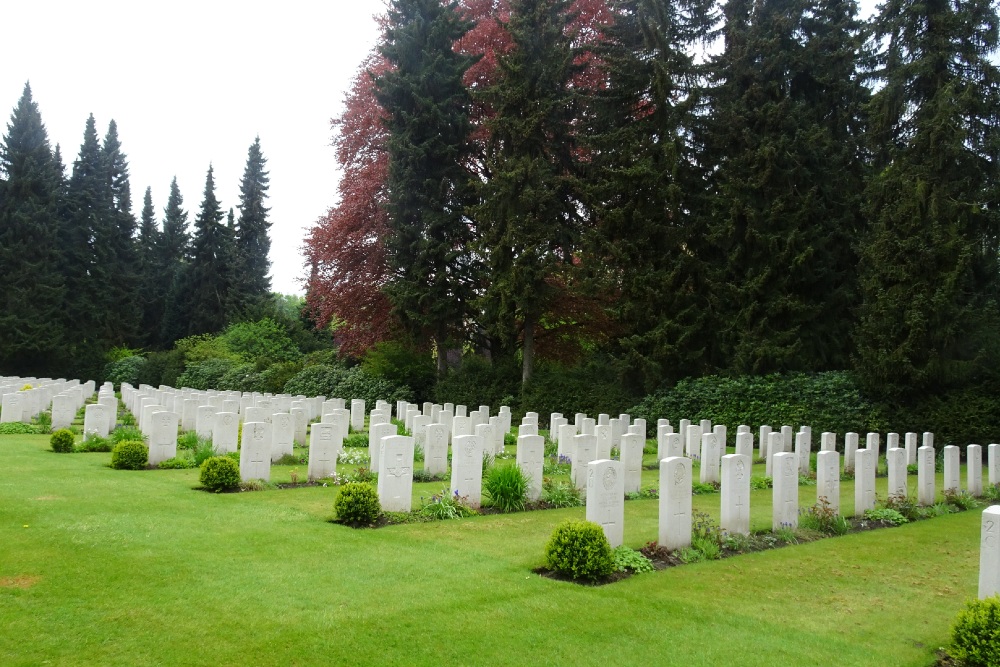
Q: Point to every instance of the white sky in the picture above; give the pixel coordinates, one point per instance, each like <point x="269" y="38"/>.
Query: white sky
<point x="191" y="83"/>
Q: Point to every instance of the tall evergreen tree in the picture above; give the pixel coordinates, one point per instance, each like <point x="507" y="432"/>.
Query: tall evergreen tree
<point x="428" y="119"/>
<point x="151" y="272"/>
<point x="251" y="236"/>
<point x="174" y="256"/>
<point x="530" y="216"/>
<point x="206" y="279"/>
<point x="784" y="144"/>
<point x="647" y="187"/>
<point x="929" y="262"/>
<point x="31" y="318"/>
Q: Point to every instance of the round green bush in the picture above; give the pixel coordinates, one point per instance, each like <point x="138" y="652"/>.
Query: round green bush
<point x="579" y="550"/>
<point x="220" y="473"/>
<point x="62" y="441"/>
<point x="357" y="504"/>
<point x="130" y="455"/>
<point x="976" y="635"/>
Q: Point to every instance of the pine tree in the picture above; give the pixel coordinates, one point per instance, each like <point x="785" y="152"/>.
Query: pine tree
<point x="530" y="215"/>
<point x="32" y="335"/>
<point x="784" y="144"/>
<point x="151" y="270"/>
<point x="929" y="262"/>
<point x="206" y="279"/>
<point x="428" y="119"/>
<point x="647" y="187"/>
<point x="251" y="237"/>
<point x="174" y="253"/>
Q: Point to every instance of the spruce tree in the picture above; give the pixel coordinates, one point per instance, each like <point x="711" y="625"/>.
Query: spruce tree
<point x="151" y="270"/>
<point x="32" y="333"/>
<point x="929" y="262"/>
<point x="174" y="252"/>
<point x="251" y="237"/>
<point x="530" y="212"/>
<point x="427" y="105"/>
<point x="206" y="279"/>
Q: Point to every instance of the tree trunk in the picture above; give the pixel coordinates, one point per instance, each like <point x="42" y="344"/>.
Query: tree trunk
<point x="528" y="351"/>
<point x="442" y="361"/>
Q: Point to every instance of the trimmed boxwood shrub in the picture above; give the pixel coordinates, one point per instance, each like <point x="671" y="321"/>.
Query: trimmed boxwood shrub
<point x="62" y="441"/>
<point x="357" y="504"/>
<point x="220" y="473"/>
<point x="130" y="455"/>
<point x="976" y="635"/>
<point x="579" y="550"/>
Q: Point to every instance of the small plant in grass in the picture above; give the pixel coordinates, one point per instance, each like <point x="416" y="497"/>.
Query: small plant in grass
<point x="506" y="487"/>
<point x="187" y="440"/>
<point x="823" y="518"/>
<point x="579" y="550"/>
<point x="786" y="534"/>
<point x="737" y="542"/>
<point x="975" y="637"/>
<point x="176" y="463"/>
<point x="509" y="439"/>
<point x="697" y="488"/>
<point x="122" y="433"/>
<point x="690" y="555"/>
<point x="220" y="473"/>
<point x="991" y="493"/>
<point x="630" y="560"/>
<point x="557" y="465"/>
<point x="255" y="485"/>
<point x="354" y="457"/>
<point x="446" y="505"/>
<point x="488" y="461"/>
<point x="904" y="505"/>
<point x="288" y="460"/>
<point x="362" y="475"/>
<point x="705" y="536"/>
<point x="807" y="481"/>
<point x="44" y="420"/>
<point x="560" y="494"/>
<point x="912" y="469"/>
<point x="758" y="483"/>
<point x="62" y="441"/>
<point x="357" y="504"/>
<point x="356" y="440"/>
<point x="203" y="451"/>
<point x="130" y="455"/>
<point x="961" y="500"/>
<point x="18" y="428"/>
<point x="886" y="515"/>
<point x="95" y="443"/>
<point x="423" y="476"/>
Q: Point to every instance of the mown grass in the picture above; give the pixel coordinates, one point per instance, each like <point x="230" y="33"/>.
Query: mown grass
<point x="135" y="568"/>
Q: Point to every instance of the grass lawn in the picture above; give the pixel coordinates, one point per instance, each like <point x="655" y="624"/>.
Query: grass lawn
<point x="107" y="567"/>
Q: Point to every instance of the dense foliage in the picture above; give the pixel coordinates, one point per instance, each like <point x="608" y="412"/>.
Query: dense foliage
<point x="220" y="473"/>
<point x="976" y="635"/>
<point x="357" y="504"/>
<point x="62" y="441"/>
<point x="579" y="550"/>
<point x="130" y="455"/>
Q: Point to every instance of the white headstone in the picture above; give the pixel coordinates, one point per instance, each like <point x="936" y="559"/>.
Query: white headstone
<point x="63" y="411"/>
<point x="828" y="442"/>
<point x="895" y="460"/>
<point x="485" y="433"/>
<point x="952" y="471"/>
<point x="736" y="470"/>
<point x="993" y="463"/>
<point x="566" y="434"/>
<point x="974" y="469"/>
<point x="675" y="503"/>
<point x="850" y="449"/>
<point x="662" y="431"/>
<point x="584" y="451"/>
<point x="300" y="419"/>
<point x="163" y="437"/>
<point x="206" y="419"/>
<point x="603" y="433"/>
<point x="744" y="444"/>
<point x="864" y="481"/>
<point x="803" y="448"/>
<point x="692" y="444"/>
<point x="225" y="433"/>
<point x="255" y="451"/>
<point x="631" y="458"/>
<point x="910" y="441"/>
<point x="95" y="421"/>
<point x="775" y="445"/>
<point x="282" y="435"/>
<point x="928" y="439"/>
<point x="531" y="459"/>
<point x="395" y="477"/>
<point x="436" y="449"/>
<point x="785" y="510"/>
<point x="828" y="478"/>
<point x="588" y="426"/>
<point x="764" y="441"/>
<point x="375" y="435"/>
<point x="709" y="459"/>
<point x="606" y="498"/>
<point x="926" y="490"/>
<point x="467" y="468"/>
<point x="324" y="447"/>
<point x="989" y="554"/>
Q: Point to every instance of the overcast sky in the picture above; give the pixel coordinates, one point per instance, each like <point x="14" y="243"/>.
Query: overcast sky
<point x="192" y="83"/>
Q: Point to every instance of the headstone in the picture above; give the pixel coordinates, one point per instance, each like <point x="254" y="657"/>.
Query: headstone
<point x="63" y="411"/>
<point x="639" y="426"/>
<point x="952" y="472"/>
<point x="375" y="435"/>
<point x="675" y="446"/>
<point x="584" y="451"/>
<point x="828" y="478"/>
<point x="226" y="432"/>
<point x="721" y="433"/>
<point x="255" y="451"/>
<point x="566" y="434"/>
<point x="631" y="459"/>
<point x="872" y="443"/>
<point x="785" y="510"/>
<point x="606" y="498"/>
<point x="603" y="419"/>
<point x="850" y="449"/>
<point x="891" y="441"/>
<point x="989" y="554"/>
<point x="467" y="468"/>
<point x="419" y="432"/>
<point x="436" y="449"/>
<point x="775" y="446"/>
<point x="461" y="411"/>
<point x="662" y="431"/>
<point x="709" y="459"/>
<point x="485" y="433"/>
<point x="993" y="464"/>
<point x="111" y="403"/>
<point x="675" y="503"/>
<point x="764" y="441"/>
<point x="974" y="469"/>
<point x="253" y="414"/>
<point x="163" y="437"/>
<point x="531" y="459"/>
<point x="787" y="439"/>
<point x="206" y="417"/>
<point x="603" y="434"/>
<point x="395" y="477"/>
<point x="692" y="445"/>
<point x="95" y="421"/>
<point x="802" y="450"/>
<point x="828" y="442"/>
<point x="928" y="439"/>
<point x="910" y="440"/>
<point x="324" y="447"/>
<point x="282" y="435"/>
<point x="705" y="425"/>
<point x="744" y="444"/>
<point x="460" y="426"/>
<point x="895" y="460"/>
<point x="615" y="429"/>
<point x="926" y="490"/>
<point x="588" y="426"/>
<point x="736" y="470"/>
<point x="864" y="481"/>
<point x="527" y="429"/>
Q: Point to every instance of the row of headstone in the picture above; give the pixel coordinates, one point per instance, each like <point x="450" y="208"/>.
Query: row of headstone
<point x="65" y="397"/>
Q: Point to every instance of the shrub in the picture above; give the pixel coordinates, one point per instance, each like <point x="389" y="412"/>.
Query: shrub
<point x="176" y="463"/>
<point x="506" y="486"/>
<point x="357" y="504"/>
<point x="446" y="506"/>
<point x="402" y="365"/>
<point x="961" y="500"/>
<point x="242" y="377"/>
<point x="130" y="455"/>
<point x="19" y="428"/>
<point x="276" y="376"/>
<point x="127" y="369"/>
<point x="62" y="441"/>
<point x="562" y="494"/>
<point x="579" y="550"/>
<point x="324" y="380"/>
<point x="265" y="340"/>
<point x="479" y="382"/>
<point x="162" y="368"/>
<point x="205" y="374"/>
<point x="593" y="387"/>
<point x="627" y="559"/>
<point x="975" y="638"/>
<point x="220" y="473"/>
<point x="95" y="443"/>
<point x="356" y="440"/>
<point x="822" y="517"/>
<point x="886" y="515"/>
<point x="125" y="433"/>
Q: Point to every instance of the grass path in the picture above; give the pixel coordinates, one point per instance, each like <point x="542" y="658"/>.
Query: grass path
<point x="135" y="568"/>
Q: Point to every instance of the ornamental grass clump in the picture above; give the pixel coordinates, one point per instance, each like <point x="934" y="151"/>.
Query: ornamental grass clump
<point x="506" y="487"/>
<point x="975" y="638"/>
<point x="220" y="473"/>
<point x="579" y="550"/>
<point x="357" y="504"/>
<point x="130" y="455"/>
<point x="62" y="441"/>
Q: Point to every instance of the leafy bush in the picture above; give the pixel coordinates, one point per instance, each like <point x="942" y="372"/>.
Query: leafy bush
<point x="127" y="369"/>
<point x="276" y="376"/>
<point x="478" y="382"/>
<point x="162" y="368"/>
<point x="956" y="417"/>
<point x="561" y="494"/>
<point x="362" y="475"/>
<point x="19" y="428"/>
<point x="822" y="517"/>
<point x="975" y="638"/>
<point x="961" y="500"/>
<point x="203" y="451"/>
<point x="62" y="441"/>
<point x="205" y="374"/>
<point x="446" y="506"/>
<point x="579" y="550"/>
<point x="265" y="340"/>
<point x="506" y="487"/>
<point x="242" y="377"/>
<point x="758" y="483"/>
<point x="357" y="504"/>
<point x="356" y="440"/>
<point x="125" y="433"/>
<point x="220" y="473"/>
<point x="402" y="365"/>
<point x="177" y="463"/>
<point x="830" y="401"/>
<point x="323" y="380"/>
<point x="886" y="515"/>
<point x="130" y="455"/>
<point x="95" y="443"/>
<point x="594" y="387"/>
<point x="627" y="559"/>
